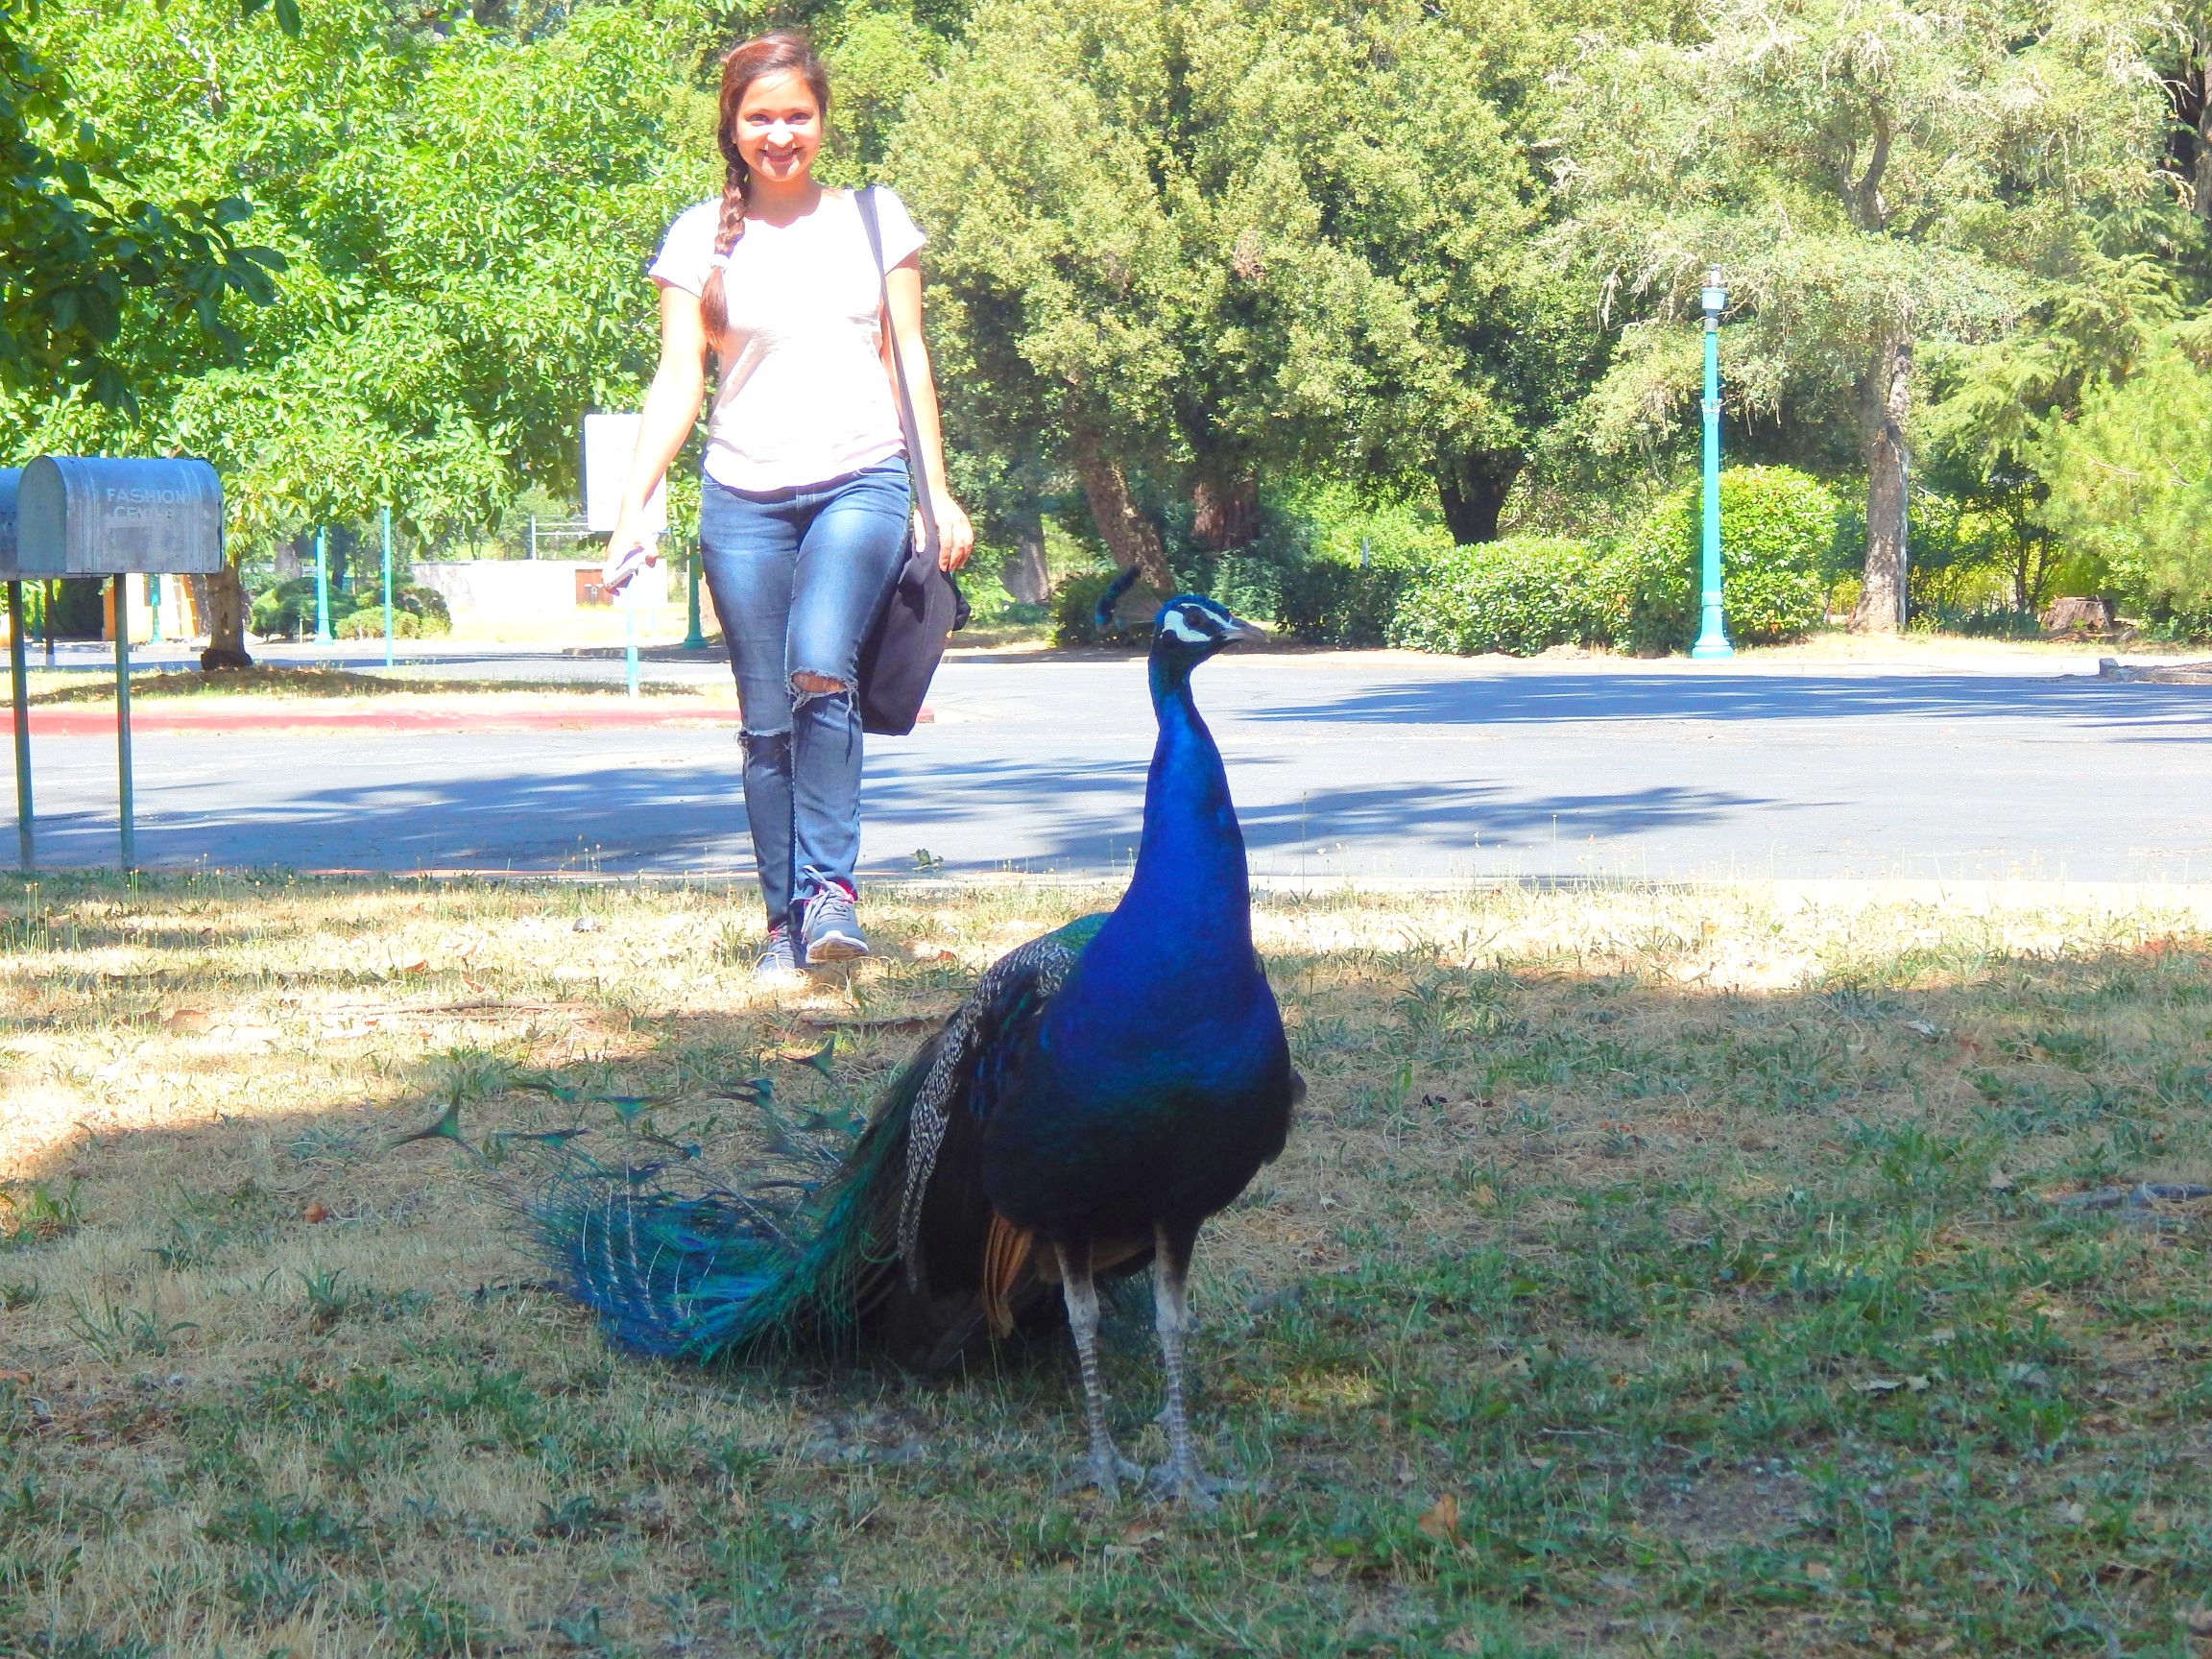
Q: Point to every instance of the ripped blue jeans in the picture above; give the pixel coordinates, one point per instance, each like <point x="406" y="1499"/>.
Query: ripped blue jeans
<point x="797" y="577"/>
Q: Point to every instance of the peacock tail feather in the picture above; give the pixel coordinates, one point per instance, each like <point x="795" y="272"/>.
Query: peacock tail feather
<point x="682" y="1261"/>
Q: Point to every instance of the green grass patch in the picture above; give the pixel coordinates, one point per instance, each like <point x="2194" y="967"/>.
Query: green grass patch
<point x="1649" y="1272"/>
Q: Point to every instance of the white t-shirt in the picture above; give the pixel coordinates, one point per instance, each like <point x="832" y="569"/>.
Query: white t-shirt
<point x="803" y="396"/>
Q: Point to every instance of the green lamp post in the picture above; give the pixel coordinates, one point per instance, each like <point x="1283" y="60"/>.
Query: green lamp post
<point x="386" y="526"/>
<point x="1713" y="631"/>
<point x="693" y="639"/>
<point x="323" y="585"/>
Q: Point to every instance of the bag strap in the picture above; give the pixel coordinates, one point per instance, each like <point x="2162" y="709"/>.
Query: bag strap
<point x="917" y="483"/>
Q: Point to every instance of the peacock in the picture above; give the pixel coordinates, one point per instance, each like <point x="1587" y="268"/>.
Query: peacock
<point x="1103" y="1091"/>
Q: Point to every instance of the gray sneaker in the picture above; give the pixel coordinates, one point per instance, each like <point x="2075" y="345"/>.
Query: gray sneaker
<point x="832" y="929"/>
<point x="777" y="959"/>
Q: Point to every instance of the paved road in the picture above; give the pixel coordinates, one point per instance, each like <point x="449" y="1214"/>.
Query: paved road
<point x="1352" y="764"/>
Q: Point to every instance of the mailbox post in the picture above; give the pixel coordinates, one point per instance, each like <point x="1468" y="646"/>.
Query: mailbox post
<point x="78" y="516"/>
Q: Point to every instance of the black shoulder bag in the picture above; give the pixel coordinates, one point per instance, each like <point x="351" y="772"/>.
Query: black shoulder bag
<point x="923" y="606"/>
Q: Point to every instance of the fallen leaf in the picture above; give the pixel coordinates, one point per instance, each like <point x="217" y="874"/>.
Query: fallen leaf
<point x="1878" y="1384"/>
<point x="23" y="1378"/>
<point x="1440" y="1520"/>
<point x="586" y="925"/>
<point x="1923" y="1028"/>
<point x="1819" y="1571"/>
<point x="1999" y="1182"/>
<point x="1483" y="1196"/>
<point x="2199" y="1620"/>
<point x="315" y="1214"/>
<point x="2073" y="1514"/>
<point x="1321" y="1567"/>
<point x="422" y="967"/>
<point x="188" y="1022"/>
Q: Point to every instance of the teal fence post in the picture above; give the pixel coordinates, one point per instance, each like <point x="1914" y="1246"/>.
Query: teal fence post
<point x="153" y="609"/>
<point x="693" y="639"/>
<point x="19" y="687"/>
<point x="323" y="585"/>
<point x="1711" y="631"/>
<point x="387" y="527"/>
<point x="123" y="720"/>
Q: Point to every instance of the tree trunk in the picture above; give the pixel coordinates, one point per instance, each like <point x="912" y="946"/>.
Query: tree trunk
<point x="220" y="598"/>
<point x="1224" y="514"/>
<point x="1026" y="575"/>
<point x="1130" y="536"/>
<point x="1883" y="398"/>
<point x="1474" y="492"/>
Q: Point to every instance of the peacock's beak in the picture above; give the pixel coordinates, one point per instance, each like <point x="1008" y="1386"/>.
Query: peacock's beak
<point x="1243" y="633"/>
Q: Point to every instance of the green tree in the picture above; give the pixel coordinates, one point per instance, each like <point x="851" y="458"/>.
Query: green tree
<point x="1872" y="175"/>
<point x="1196" y="241"/>
<point x="463" y="212"/>
<point x="82" y="242"/>
<point x="2131" y="478"/>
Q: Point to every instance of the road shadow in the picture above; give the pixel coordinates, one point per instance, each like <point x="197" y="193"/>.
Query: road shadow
<point x="1551" y="699"/>
<point x="1052" y="815"/>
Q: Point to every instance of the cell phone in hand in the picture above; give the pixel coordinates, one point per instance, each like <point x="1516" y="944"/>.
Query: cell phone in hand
<point x="621" y="567"/>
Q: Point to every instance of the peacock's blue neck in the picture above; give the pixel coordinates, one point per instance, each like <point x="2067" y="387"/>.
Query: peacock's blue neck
<point x="1191" y="865"/>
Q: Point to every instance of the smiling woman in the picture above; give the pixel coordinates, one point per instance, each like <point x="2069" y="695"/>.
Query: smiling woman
<point x="803" y="508"/>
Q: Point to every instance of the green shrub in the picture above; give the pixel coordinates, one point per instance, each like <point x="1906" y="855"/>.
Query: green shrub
<point x="426" y="605"/>
<point x="1777" y="525"/>
<point x="1324" y="602"/>
<point x="1520" y="595"/>
<point x="288" y="609"/>
<point x="367" y="623"/>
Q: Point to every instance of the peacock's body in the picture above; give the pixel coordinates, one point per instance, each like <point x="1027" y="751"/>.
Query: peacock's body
<point x="1103" y="1091"/>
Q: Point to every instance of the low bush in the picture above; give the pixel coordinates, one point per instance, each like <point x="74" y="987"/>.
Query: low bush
<point x="1520" y="595"/>
<point x="287" y="611"/>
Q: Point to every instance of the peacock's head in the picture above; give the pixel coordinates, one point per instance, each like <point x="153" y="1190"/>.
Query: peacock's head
<point x="1190" y="628"/>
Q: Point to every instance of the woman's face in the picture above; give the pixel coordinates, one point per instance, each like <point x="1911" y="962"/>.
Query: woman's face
<point x="779" y="127"/>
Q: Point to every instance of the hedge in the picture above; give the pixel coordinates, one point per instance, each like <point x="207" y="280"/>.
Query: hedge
<point x="1526" y="593"/>
<point x="1520" y="595"/>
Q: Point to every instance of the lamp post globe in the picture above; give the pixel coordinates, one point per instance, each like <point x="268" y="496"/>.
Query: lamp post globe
<point x="1712" y="630"/>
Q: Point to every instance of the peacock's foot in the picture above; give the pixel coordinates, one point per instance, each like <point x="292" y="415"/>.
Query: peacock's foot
<point x="1187" y="1484"/>
<point x="1105" y="1471"/>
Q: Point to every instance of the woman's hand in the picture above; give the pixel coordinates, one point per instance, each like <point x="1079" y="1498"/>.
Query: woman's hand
<point x="955" y="536"/>
<point x="629" y="550"/>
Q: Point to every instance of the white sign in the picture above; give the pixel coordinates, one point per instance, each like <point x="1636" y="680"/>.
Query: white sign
<point x="610" y="445"/>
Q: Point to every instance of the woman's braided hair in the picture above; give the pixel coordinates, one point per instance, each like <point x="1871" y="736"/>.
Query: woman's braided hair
<point x="784" y="51"/>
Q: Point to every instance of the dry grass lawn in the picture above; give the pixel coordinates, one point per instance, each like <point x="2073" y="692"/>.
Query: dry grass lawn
<point x="1651" y="1272"/>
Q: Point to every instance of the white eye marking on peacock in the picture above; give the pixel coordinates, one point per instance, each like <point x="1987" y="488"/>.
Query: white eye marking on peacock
<point x="1177" y="624"/>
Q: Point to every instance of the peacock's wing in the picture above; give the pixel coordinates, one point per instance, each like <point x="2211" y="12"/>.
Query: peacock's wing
<point x="970" y="1063"/>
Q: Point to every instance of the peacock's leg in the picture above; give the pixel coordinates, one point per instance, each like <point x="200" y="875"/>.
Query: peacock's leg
<point x="1107" y="1466"/>
<point x="1180" y="1477"/>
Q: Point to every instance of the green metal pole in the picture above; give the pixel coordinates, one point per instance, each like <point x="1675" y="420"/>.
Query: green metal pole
<point x="1713" y="633"/>
<point x="630" y="641"/>
<point x="387" y="586"/>
<point x="323" y="585"/>
<point x="123" y="720"/>
<point x="694" y="640"/>
<point x="19" y="684"/>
